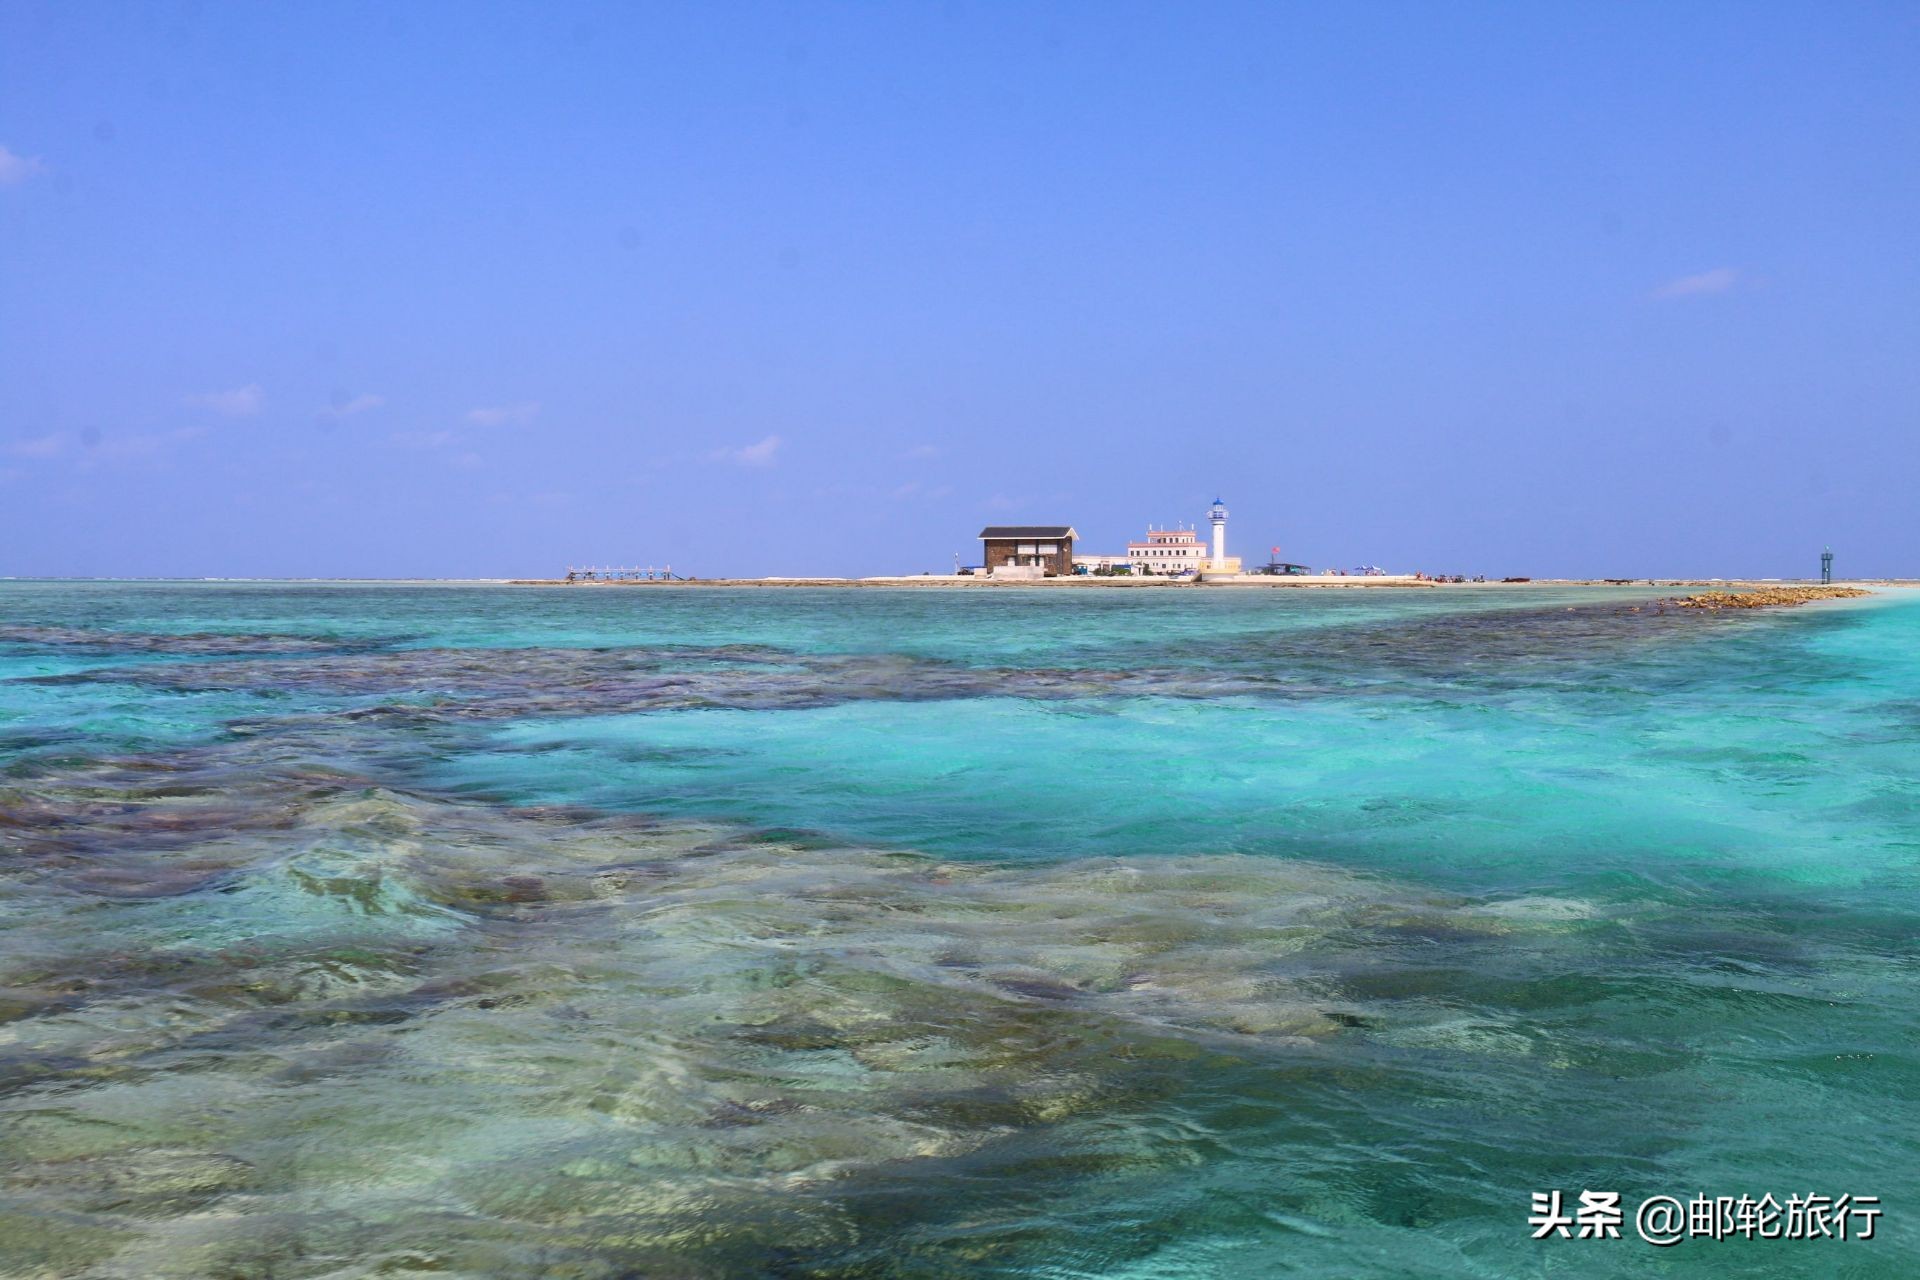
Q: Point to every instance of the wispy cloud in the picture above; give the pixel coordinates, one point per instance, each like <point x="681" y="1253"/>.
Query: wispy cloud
<point x="93" y="447"/>
<point x="51" y="445"/>
<point x="239" y="402"/>
<point x="344" y="406"/>
<point x="441" y="444"/>
<point x="1718" y="280"/>
<point x="920" y="452"/>
<point x="15" y="169"/>
<point x="133" y="448"/>
<point x="543" y="498"/>
<point x="422" y="439"/>
<point x="758" y="454"/>
<point x="504" y="415"/>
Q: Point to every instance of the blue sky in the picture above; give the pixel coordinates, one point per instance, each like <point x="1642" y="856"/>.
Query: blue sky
<point x="481" y="290"/>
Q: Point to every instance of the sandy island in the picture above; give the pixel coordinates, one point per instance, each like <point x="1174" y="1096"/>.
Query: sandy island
<point x="1719" y="593"/>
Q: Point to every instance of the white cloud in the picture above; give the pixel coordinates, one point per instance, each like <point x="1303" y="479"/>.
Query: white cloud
<point x="50" y="445"/>
<point x="15" y="169"/>
<point x="758" y="454"/>
<point x="1718" y="280"/>
<point x="240" y="402"/>
<point x="344" y="407"/>
<point x="921" y="451"/>
<point x="504" y="415"/>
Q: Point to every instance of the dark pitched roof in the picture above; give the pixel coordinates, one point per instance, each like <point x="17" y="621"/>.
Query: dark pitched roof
<point x="1028" y="531"/>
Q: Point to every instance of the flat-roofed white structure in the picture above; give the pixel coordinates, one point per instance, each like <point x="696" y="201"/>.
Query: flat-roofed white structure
<point x="1173" y="550"/>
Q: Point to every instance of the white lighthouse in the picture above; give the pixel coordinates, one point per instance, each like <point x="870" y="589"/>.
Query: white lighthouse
<point x="1218" y="514"/>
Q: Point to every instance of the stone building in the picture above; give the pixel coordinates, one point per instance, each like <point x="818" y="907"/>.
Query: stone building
<point x="1028" y="550"/>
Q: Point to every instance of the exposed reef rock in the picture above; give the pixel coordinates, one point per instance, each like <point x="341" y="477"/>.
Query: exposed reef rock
<point x="1766" y="597"/>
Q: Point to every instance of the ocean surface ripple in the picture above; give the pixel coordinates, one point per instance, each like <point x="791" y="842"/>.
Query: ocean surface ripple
<point x="409" y="931"/>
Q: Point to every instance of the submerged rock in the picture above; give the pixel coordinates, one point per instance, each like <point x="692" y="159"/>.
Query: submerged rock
<point x="138" y="1182"/>
<point x="562" y="1034"/>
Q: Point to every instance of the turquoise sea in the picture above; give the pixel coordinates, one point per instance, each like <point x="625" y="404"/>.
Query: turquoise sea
<point x="452" y="931"/>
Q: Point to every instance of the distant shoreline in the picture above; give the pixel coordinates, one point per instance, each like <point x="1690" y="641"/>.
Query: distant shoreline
<point x="949" y="581"/>
<point x="1242" y="582"/>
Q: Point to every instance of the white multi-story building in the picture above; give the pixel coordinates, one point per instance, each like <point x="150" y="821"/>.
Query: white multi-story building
<point x="1179" y="550"/>
<point x="1167" y="551"/>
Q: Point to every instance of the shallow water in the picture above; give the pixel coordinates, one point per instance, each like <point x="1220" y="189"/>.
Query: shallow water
<point x="496" y="932"/>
